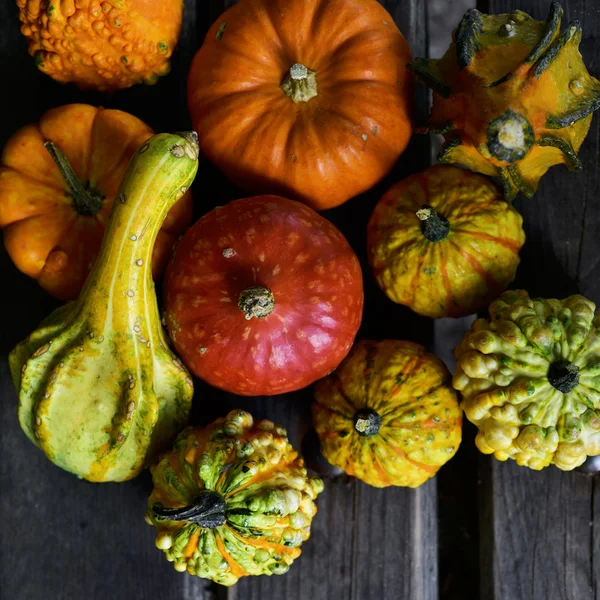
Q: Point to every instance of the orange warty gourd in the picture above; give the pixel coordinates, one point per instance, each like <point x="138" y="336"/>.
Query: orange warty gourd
<point x="444" y="242"/>
<point x="106" y="45"/>
<point x="308" y="99"/>
<point x="388" y="415"/>
<point x="54" y="218"/>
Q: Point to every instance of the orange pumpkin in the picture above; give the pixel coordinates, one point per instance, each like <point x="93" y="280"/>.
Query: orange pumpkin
<point x="105" y="45"/>
<point x="308" y="99"/>
<point x="54" y="221"/>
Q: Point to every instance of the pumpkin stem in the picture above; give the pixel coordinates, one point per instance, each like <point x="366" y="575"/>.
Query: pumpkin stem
<point x="367" y="422"/>
<point x="256" y="302"/>
<point x="88" y="201"/>
<point x="434" y="227"/>
<point x="207" y="511"/>
<point x="564" y="376"/>
<point x="300" y="84"/>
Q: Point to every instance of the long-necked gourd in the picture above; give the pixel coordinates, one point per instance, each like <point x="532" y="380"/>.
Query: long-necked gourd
<point x="99" y="389"/>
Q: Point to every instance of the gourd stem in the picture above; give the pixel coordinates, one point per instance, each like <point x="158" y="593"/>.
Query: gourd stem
<point x="300" y="84"/>
<point x="87" y="201"/>
<point x="256" y="302"/>
<point x="367" y="422"/>
<point x="564" y="376"/>
<point x="207" y="511"/>
<point x="434" y="227"/>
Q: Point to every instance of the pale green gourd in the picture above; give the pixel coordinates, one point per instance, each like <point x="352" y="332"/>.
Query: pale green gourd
<point x="99" y="390"/>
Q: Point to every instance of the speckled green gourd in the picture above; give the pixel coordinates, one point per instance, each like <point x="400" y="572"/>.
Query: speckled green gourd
<point x="530" y="380"/>
<point x="99" y="390"/>
<point x="232" y="499"/>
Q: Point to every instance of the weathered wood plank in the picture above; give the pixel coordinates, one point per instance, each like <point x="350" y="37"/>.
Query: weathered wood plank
<point x="538" y="536"/>
<point x="62" y="538"/>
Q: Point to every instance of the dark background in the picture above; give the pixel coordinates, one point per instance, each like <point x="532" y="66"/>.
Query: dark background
<point x="480" y="529"/>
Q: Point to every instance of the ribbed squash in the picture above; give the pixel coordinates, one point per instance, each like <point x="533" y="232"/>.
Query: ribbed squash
<point x="306" y="99"/>
<point x="58" y="181"/>
<point x="512" y="96"/>
<point x="99" y="390"/>
<point x="388" y="415"/>
<point x="102" y="45"/>
<point x="530" y="380"/>
<point x="443" y="242"/>
<point x="232" y="499"/>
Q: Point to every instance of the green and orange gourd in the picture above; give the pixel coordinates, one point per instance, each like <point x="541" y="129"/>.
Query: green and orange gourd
<point x="232" y="499"/>
<point x="512" y="97"/>
<point x="99" y="389"/>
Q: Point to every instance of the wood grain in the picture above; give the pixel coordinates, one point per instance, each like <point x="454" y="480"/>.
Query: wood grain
<point x="538" y="535"/>
<point x="64" y="539"/>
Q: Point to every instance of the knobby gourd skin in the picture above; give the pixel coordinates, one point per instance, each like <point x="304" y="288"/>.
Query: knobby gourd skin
<point x="512" y="97"/>
<point x="53" y="218"/>
<point x="263" y="296"/>
<point x="101" y="44"/>
<point x="530" y="380"/>
<point x="388" y="415"/>
<point x="443" y="242"/>
<point x="99" y="389"/>
<point x="232" y="499"/>
<point x="307" y="99"/>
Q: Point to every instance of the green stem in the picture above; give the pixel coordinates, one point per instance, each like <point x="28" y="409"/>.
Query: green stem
<point x="87" y="201"/>
<point x="564" y="376"/>
<point x="367" y="422"/>
<point x="207" y="511"/>
<point x="434" y="227"/>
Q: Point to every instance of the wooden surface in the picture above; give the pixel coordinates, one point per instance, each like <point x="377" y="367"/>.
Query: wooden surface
<point x="481" y="529"/>
<point x="540" y="532"/>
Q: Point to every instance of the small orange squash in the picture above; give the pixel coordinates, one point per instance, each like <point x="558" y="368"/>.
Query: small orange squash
<point x="388" y="415"/>
<point x="444" y="242"/>
<point x="106" y="45"/>
<point x="54" y="221"/>
<point x="307" y="99"/>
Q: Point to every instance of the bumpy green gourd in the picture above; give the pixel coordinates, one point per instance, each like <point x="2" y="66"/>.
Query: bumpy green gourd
<point x="530" y="380"/>
<point x="232" y="499"/>
<point x="512" y="96"/>
<point x="99" y="390"/>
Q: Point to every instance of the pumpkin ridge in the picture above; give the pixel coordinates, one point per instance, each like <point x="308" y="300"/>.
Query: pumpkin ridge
<point x="450" y="303"/>
<point x="486" y="276"/>
<point x="504" y="242"/>
<point x="402" y="454"/>
<point x="54" y="185"/>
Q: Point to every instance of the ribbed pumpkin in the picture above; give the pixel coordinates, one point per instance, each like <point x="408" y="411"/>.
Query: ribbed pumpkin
<point x="388" y="415"/>
<point x="530" y="380"/>
<point x="106" y="45"/>
<point x="99" y="389"/>
<point x="308" y="99"/>
<point x="58" y="182"/>
<point x="232" y="499"/>
<point x="512" y="96"/>
<point x="443" y="242"/>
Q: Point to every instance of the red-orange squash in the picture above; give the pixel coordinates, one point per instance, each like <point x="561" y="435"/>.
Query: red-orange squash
<point x="101" y="44"/>
<point x="54" y="221"/>
<point x="263" y="296"/>
<point x="309" y="99"/>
